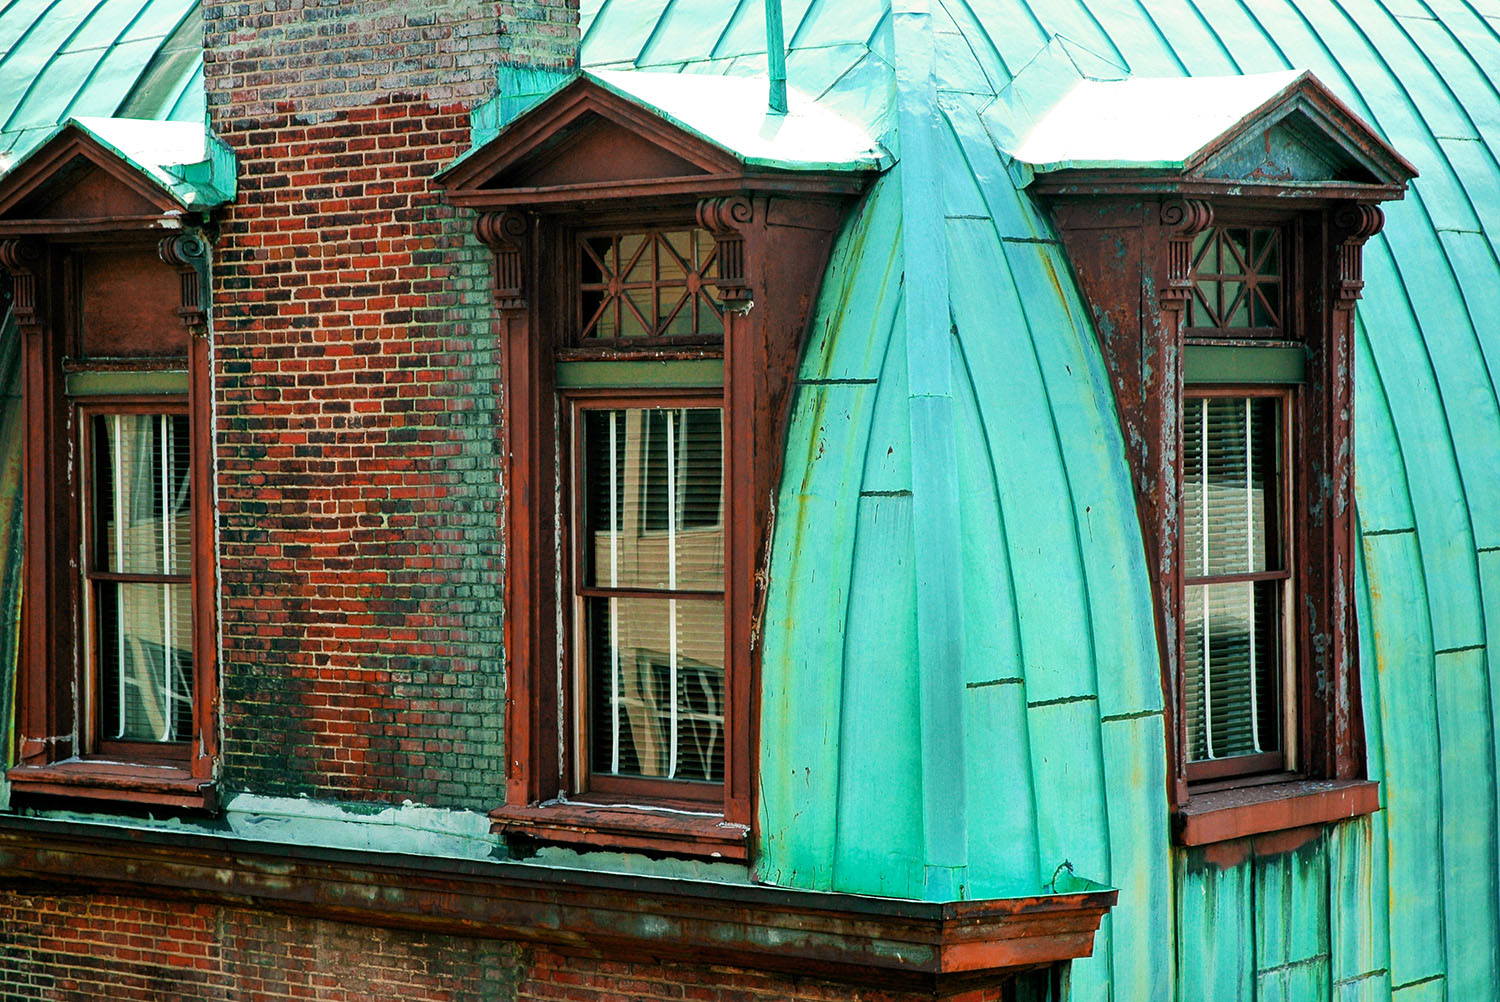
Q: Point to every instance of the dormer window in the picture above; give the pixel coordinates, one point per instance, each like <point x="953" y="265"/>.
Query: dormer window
<point x="1223" y="269"/>
<point x="108" y="263"/>
<point x="652" y="284"/>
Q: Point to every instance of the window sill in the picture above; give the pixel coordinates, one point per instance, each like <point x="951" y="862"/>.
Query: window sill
<point x="136" y="783"/>
<point x="609" y="826"/>
<point x="1255" y="810"/>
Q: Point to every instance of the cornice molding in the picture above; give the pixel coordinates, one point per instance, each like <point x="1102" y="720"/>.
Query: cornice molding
<point x="836" y="937"/>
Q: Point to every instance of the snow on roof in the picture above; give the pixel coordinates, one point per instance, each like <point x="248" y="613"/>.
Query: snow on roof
<point x="1126" y="123"/>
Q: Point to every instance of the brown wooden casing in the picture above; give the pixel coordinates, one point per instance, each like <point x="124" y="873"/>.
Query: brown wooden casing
<point x="105" y="277"/>
<point x="785" y="246"/>
<point x="1122" y="251"/>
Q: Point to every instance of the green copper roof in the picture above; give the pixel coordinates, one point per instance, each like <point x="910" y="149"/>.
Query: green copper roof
<point x="182" y="158"/>
<point x="956" y="526"/>
<point x="100" y="58"/>
<point x="1119" y="123"/>
<point x="95" y="60"/>
<point x="732" y="113"/>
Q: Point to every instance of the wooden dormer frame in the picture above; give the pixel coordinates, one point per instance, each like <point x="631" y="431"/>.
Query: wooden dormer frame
<point x="544" y="177"/>
<point x="73" y="209"/>
<point x="1129" y="232"/>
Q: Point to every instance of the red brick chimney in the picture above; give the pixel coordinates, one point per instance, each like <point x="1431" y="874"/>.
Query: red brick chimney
<point x="356" y="427"/>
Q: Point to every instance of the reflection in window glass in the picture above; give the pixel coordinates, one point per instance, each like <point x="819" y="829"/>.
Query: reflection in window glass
<point x="139" y="570"/>
<point x="653" y="523"/>
<point x="1236" y="575"/>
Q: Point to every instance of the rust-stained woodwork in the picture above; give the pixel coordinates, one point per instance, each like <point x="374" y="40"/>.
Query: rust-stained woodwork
<point x="1130" y="235"/>
<point x="1129" y="255"/>
<point x="588" y="159"/>
<point x="106" y="277"/>
<point x="836" y="937"/>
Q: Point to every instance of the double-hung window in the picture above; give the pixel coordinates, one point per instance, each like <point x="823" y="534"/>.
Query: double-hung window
<point x="649" y="596"/>
<point x="652" y="292"/>
<point x="136" y="513"/>
<point x="116" y="682"/>
<point x="1239" y="650"/>
<point x="1237" y="591"/>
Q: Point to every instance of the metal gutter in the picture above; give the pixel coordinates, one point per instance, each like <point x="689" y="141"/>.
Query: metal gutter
<point x="840" y="937"/>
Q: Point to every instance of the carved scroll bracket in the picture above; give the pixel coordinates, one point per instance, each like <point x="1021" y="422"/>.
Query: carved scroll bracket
<point x="187" y="252"/>
<point x="506" y="233"/>
<point x="1353" y="224"/>
<point x="21" y="258"/>
<point x="1183" y="219"/>
<point x="726" y="218"/>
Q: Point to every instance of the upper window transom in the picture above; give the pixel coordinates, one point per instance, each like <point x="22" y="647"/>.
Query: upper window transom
<point x="1237" y="279"/>
<point x="656" y="283"/>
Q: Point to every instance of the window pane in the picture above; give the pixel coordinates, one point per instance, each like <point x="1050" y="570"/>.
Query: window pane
<point x="142" y="516"/>
<point x="656" y="678"/>
<point x="1231" y="665"/>
<point x="653" y="283"/>
<point x="145" y="660"/>
<point x="653" y="498"/>
<point x="141" y="522"/>
<point x="1230" y="456"/>
<point x="1230" y="266"/>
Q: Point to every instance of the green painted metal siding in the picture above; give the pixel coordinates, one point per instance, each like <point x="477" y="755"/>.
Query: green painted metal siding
<point x="956" y="511"/>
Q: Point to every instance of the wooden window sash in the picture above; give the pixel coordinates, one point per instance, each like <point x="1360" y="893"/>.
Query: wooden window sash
<point x="91" y="641"/>
<point x="585" y="781"/>
<point x="1283" y="542"/>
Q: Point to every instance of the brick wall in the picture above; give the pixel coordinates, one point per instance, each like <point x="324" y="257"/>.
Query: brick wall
<point x="356" y="380"/>
<point x="63" y="949"/>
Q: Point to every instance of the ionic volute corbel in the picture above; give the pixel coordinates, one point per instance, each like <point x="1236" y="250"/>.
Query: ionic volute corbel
<point x="1182" y="219"/>
<point x="726" y="219"/>
<point x="186" y="252"/>
<point x="21" y="258"/>
<point x="1353" y="224"/>
<point x="507" y="235"/>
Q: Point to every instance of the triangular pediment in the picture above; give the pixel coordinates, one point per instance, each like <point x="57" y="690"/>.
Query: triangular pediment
<point x="1268" y="131"/>
<point x="615" y="135"/>
<point x="1303" y="136"/>
<point x="596" y="149"/>
<point x="73" y="178"/>
<point x="586" y="139"/>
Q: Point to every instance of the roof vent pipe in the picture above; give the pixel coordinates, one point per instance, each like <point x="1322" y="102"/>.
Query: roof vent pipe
<point x="776" y="57"/>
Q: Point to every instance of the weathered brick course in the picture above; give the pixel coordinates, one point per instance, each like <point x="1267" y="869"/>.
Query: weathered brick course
<point x="356" y="427"/>
<point x="67" y="948"/>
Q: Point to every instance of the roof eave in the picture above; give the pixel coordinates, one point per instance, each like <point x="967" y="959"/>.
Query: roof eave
<point x="1117" y="180"/>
